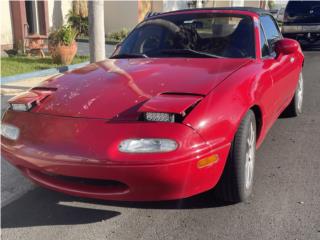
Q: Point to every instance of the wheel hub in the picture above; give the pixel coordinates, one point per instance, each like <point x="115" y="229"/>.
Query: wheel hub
<point x="250" y="157"/>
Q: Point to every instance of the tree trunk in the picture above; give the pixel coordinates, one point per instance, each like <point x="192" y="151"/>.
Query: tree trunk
<point x="96" y="30"/>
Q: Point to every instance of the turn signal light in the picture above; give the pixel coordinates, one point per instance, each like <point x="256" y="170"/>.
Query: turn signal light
<point x="208" y="161"/>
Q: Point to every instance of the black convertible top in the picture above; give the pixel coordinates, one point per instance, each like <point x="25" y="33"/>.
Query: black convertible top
<point x="258" y="11"/>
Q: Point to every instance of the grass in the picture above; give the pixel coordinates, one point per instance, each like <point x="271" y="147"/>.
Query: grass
<point x="23" y="64"/>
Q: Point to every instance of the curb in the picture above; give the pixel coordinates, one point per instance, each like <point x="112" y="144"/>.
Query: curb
<point x="41" y="73"/>
<point x="108" y="42"/>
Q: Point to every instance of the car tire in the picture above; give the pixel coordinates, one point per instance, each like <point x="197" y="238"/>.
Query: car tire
<point x="235" y="184"/>
<point x="294" y="109"/>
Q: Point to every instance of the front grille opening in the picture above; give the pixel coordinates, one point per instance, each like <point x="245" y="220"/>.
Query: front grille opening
<point x="100" y="185"/>
<point x="89" y="181"/>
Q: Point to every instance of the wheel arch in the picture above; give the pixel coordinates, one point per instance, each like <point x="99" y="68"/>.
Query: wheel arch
<point x="259" y="119"/>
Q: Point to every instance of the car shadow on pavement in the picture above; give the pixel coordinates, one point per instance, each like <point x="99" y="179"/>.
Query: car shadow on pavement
<point x="200" y="201"/>
<point x="41" y="207"/>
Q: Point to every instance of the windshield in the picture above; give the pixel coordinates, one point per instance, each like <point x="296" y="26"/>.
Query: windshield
<point x="201" y="35"/>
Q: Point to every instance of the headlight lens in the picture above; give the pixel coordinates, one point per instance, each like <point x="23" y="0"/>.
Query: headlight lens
<point x="150" y="145"/>
<point x="9" y="131"/>
<point x="159" y="117"/>
<point x="21" y="107"/>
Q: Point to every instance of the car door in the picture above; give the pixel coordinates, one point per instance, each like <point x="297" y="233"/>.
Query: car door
<point x="283" y="69"/>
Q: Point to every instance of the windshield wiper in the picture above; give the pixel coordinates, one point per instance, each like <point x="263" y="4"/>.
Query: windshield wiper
<point x="189" y="52"/>
<point x="129" y="55"/>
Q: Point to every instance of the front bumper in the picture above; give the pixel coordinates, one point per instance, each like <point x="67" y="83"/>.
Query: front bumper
<point x="80" y="157"/>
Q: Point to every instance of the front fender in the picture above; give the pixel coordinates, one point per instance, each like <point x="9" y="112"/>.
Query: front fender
<point x="217" y="117"/>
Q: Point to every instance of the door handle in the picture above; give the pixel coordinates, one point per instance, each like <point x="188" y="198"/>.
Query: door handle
<point x="292" y="59"/>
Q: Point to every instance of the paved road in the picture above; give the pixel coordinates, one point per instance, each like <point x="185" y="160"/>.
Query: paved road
<point x="83" y="49"/>
<point x="285" y="202"/>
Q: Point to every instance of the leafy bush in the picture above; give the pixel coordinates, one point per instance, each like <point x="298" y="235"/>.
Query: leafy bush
<point x="65" y="35"/>
<point x="78" y="22"/>
<point x="118" y="36"/>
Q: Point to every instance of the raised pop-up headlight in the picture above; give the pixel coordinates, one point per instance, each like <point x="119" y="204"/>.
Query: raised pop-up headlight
<point x="9" y="131"/>
<point x="172" y="108"/>
<point x="27" y="100"/>
<point x="149" y="145"/>
<point x="159" y="117"/>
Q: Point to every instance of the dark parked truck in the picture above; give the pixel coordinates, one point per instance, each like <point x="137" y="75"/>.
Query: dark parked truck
<point x="302" y="21"/>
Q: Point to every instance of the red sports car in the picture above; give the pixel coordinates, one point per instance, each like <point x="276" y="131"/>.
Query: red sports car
<point x="180" y="108"/>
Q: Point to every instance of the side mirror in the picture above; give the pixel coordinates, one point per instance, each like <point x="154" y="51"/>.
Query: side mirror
<point x="116" y="49"/>
<point x="286" y="46"/>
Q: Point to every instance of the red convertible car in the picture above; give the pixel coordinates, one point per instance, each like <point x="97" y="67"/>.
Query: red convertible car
<point x="180" y="108"/>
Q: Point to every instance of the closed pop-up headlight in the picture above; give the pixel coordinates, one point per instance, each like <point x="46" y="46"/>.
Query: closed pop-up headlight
<point x="147" y="145"/>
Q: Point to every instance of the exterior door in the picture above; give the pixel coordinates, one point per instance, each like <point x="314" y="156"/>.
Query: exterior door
<point x="283" y="69"/>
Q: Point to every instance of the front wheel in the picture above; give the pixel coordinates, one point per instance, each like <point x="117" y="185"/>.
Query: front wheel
<point x="236" y="181"/>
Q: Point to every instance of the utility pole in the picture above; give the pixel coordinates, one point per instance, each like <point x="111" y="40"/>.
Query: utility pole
<point x="96" y="31"/>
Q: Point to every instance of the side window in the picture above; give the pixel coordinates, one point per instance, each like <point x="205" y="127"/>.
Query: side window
<point x="263" y="43"/>
<point x="271" y="30"/>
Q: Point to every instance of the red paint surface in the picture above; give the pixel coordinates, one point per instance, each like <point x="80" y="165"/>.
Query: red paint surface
<point x="171" y="103"/>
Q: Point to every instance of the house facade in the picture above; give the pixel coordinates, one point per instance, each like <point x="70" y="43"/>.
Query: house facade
<point x="20" y="19"/>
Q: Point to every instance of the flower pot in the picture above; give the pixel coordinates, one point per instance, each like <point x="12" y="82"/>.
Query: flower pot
<point x="63" y="54"/>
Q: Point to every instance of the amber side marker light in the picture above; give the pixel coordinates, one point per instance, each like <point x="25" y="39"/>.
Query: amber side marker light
<point x="208" y="161"/>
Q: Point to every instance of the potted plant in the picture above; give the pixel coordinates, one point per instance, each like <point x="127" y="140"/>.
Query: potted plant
<point x="62" y="44"/>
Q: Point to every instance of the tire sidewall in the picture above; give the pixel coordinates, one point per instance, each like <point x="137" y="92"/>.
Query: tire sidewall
<point x="296" y="95"/>
<point x="246" y="192"/>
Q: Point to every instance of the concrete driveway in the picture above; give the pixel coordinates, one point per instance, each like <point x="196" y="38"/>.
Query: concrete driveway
<point x="285" y="202"/>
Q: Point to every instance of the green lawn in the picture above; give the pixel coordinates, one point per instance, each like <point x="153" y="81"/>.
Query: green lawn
<point x="22" y="64"/>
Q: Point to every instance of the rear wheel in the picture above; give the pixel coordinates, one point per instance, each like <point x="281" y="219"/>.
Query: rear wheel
<point x="236" y="181"/>
<point x="294" y="109"/>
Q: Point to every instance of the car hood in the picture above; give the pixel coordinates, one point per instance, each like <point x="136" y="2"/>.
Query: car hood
<point x="116" y="89"/>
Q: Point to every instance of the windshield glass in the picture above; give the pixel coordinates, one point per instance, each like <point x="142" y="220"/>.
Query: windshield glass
<point x="191" y="35"/>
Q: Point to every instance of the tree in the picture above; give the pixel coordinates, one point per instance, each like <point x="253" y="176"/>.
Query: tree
<point x="96" y="30"/>
<point x="271" y="4"/>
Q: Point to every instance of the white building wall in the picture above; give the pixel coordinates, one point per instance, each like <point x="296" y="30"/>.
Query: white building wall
<point x="57" y="12"/>
<point x="6" y="25"/>
<point x="222" y="3"/>
<point x="171" y="5"/>
<point x="120" y="14"/>
<point x="238" y="3"/>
